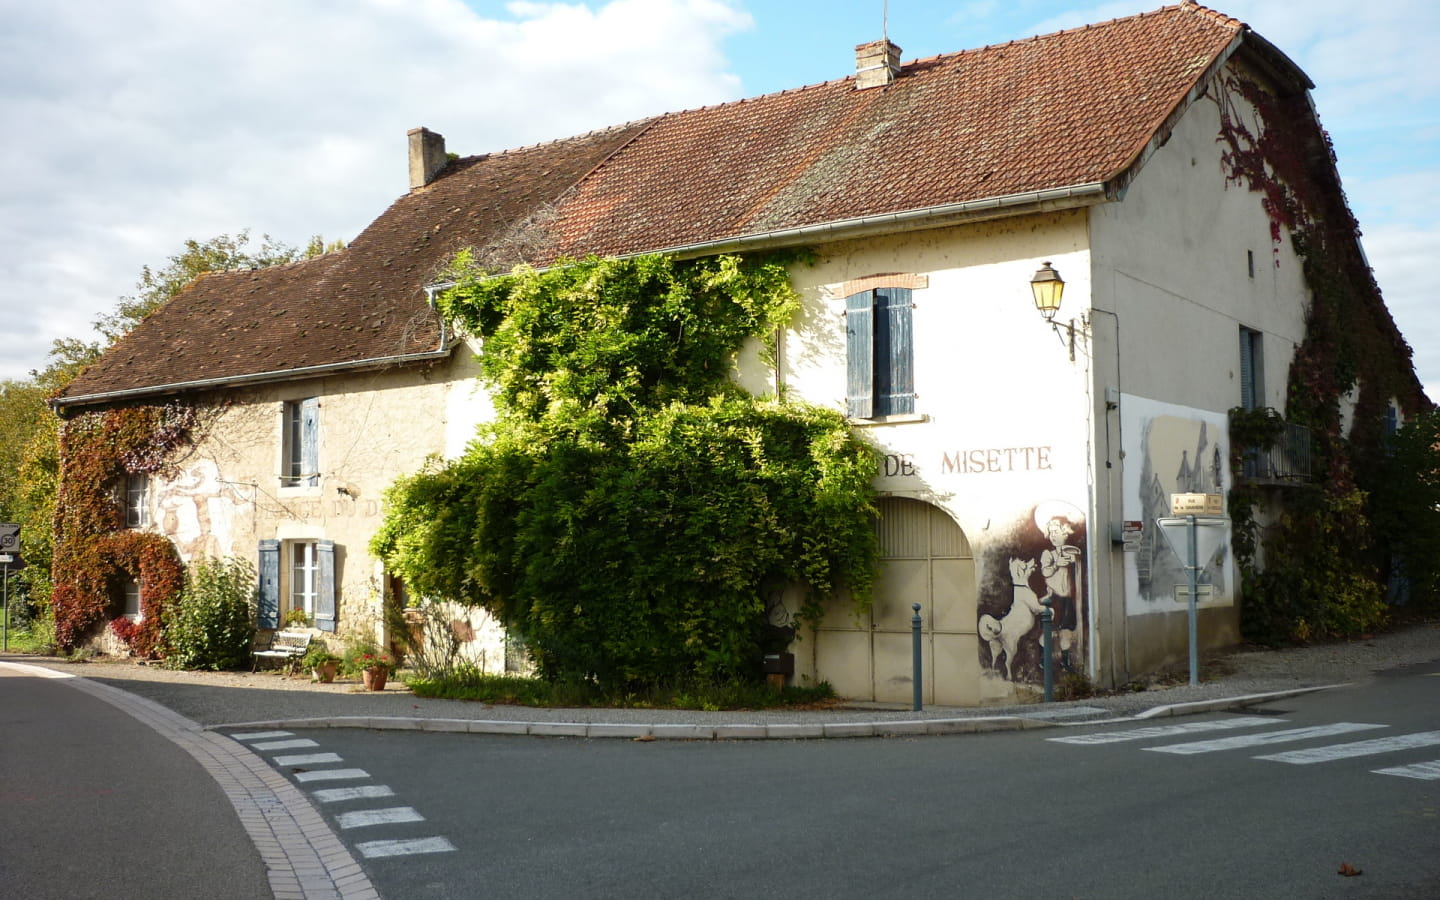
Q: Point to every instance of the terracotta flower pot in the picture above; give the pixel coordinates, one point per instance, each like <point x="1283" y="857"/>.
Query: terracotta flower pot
<point x="325" y="672"/>
<point x="375" y="677"/>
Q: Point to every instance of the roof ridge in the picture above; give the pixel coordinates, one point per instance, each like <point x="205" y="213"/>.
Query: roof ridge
<point x="584" y="135"/>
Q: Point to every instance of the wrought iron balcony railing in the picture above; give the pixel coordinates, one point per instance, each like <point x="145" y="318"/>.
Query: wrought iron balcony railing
<point x="1286" y="460"/>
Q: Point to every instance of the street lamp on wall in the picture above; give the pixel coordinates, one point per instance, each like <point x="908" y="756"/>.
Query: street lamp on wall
<point x="1048" y="288"/>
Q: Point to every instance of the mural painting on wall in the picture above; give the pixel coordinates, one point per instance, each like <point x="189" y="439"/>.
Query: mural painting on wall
<point x="197" y="511"/>
<point x="1038" y="562"/>
<point x="1191" y="450"/>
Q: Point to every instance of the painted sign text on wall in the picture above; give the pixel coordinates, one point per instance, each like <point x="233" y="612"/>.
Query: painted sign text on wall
<point x="996" y="459"/>
<point x="973" y="462"/>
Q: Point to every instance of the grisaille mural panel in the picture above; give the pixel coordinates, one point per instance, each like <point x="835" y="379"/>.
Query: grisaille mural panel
<point x="1038" y="561"/>
<point x="1171" y="449"/>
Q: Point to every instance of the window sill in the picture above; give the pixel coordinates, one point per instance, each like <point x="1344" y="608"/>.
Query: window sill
<point x="900" y="419"/>
<point x="299" y="490"/>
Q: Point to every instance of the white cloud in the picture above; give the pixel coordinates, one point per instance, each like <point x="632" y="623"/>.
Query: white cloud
<point x="129" y="128"/>
<point x="1404" y="262"/>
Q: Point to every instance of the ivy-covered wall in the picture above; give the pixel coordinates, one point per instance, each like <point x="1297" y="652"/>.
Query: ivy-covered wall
<point x="631" y="508"/>
<point x="1313" y="561"/>
<point x="93" y="549"/>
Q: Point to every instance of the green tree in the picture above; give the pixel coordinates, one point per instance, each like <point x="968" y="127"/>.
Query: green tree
<point x="1406" y="503"/>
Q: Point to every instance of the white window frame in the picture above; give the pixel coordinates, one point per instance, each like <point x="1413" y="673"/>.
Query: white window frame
<point x="300" y="443"/>
<point x="137" y="500"/>
<point x="302" y="577"/>
<point x="130" y="590"/>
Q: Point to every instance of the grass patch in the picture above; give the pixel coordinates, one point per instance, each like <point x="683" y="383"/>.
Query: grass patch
<point x="32" y="636"/>
<point x="514" y="690"/>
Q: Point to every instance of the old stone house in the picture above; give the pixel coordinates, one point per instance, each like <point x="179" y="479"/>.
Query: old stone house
<point x="1142" y="161"/>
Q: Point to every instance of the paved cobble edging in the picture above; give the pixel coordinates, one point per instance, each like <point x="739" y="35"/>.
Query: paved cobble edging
<point x="304" y="858"/>
<point x="639" y="731"/>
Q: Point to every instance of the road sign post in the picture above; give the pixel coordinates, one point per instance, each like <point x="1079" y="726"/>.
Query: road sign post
<point x="9" y="553"/>
<point x="1200" y="537"/>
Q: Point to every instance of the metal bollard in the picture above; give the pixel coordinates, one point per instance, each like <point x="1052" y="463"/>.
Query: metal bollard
<point x="1047" y="617"/>
<point x="915" y="651"/>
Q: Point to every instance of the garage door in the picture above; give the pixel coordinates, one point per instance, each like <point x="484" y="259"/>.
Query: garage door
<point x="925" y="559"/>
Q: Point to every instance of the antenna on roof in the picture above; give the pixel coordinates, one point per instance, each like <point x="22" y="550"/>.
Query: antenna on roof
<point x="885" y="21"/>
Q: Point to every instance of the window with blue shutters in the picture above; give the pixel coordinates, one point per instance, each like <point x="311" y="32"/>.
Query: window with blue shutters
<point x="1252" y="369"/>
<point x="880" y="362"/>
<point x="304" y="584"/>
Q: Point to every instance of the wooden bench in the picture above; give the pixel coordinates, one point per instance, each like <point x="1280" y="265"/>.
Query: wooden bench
<point x="289" y="646"/>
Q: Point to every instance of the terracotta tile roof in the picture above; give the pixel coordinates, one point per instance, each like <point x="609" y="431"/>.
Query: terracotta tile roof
<point x="350" y="307"/>
<point x="1076" y="107"/>
<point x="1070" y="108"/>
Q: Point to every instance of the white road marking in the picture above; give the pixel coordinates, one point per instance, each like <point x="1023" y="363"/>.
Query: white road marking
<point x="331" y="775"/>
<point x="378" y="849"/>
<point x="362" y="818"/>
<point x="1160" y="731"/>
<point x="335" y="795"/>
<point x="1241" y="741"/>
<point x="295" y="744"/>
<point x="308" y="759"/>
<point x="1426" y="771"/>
<point x="261" y="735"/>
<point x="1357" y="748"/>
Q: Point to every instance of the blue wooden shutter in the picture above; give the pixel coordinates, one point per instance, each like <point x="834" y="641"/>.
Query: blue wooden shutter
<point x="267" y="607"/>
<point x="310" y="440"/>
<point x="859" y="356"/>
<point x="325" y="585"/>
<point x="894" y="353"/>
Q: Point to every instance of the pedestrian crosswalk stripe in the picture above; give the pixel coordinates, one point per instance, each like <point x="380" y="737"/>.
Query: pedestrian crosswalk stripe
<point x="364" y="792"/>
<point x="295" y="744"/>
<point x="261" y="735"/>
<point x="362" y="818"/>
<point x="1426" y="771"/>
<point x="1240" y="741"/>
<point x="377" y="849"/>
<point x="1357" y="748"/>
<point x="1161" y="731"/>
<point x="331" y="775"/>
<point x="308" y="759"/>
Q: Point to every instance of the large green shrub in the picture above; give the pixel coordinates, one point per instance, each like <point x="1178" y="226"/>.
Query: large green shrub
<point x="631" y="510"/>
<point x="212" y="626"/>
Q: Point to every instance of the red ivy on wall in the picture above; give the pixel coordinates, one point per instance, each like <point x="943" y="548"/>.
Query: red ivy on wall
<point x="92" y="547"/>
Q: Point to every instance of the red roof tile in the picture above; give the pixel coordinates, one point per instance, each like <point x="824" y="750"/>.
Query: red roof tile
<point x="1072" y="108"/>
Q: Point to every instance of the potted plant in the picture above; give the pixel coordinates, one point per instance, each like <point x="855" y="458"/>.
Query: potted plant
<point x="320" y="661"/>
<point x="373" y="665"/>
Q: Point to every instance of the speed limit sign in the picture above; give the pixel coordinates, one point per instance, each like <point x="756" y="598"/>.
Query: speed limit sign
<point x="9" y="537"/>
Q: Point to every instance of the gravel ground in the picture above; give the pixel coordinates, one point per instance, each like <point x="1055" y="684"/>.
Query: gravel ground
<point x="217" y="698"/>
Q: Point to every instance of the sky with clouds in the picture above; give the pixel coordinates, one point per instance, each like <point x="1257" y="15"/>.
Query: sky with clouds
<point x="127" y="128"/>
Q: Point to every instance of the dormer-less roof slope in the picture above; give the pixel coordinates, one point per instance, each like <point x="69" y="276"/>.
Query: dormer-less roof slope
<point x="1053" y="116"/>
<point x="358" y="307"/>
<point x="1065" y="110"/>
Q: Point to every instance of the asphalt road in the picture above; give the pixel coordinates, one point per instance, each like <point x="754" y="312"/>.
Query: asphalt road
<point x="94" y="804"/>
<point x="1001" y="815"/>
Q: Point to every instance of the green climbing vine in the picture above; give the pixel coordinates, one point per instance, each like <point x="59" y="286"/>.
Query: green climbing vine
<point x="93" y="549"/>
<point x="631" y="511"/>
<point x="1317" y="571"/>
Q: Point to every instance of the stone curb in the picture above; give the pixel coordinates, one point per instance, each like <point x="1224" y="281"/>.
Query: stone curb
<point x="1199" y="706"/>
<point x="755" y="731"/>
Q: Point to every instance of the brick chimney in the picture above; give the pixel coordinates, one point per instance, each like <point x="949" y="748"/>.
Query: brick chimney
<point x="427" y="156"/>
<point x="876" y="64"/>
